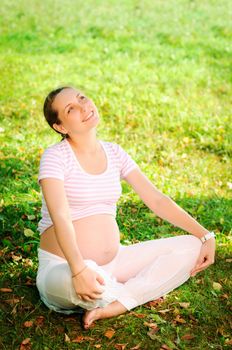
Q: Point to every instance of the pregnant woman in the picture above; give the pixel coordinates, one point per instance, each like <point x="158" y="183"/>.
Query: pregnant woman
<point x="81" y="260"/>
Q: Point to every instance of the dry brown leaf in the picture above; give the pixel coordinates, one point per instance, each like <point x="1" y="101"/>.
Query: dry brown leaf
<point x="184" y="305"/>
<point x="27" y="263"/>
<point x="200" y="281"/>
<point x="29" y="282"/>
<point x="28" y="324"/>
<point x="137" y="347"/>
<point x="109" y="333"/>
<point x="12" y="301"/>
<point x="39" y="320"/>
<point x="120" y="346"/>
<point x="187" y="337"/>
<point x="225" y="296"/>
<point x="66" y="338"/>
<point x="179" y="319"/>
<point x="228" y="260"/>
<point x="78" y="339"/>
<point x="165" y="347"/>
<point x="81" y="338"/>
<point x="151" y="325"/>
<point x="152" y="333"/>
<point x="137" y="315"/>
<point x="26" y="344"/>
<point x="228" y="342"/>
<point x="164" y="311"/>
<point x="16" y="257"/>
<point x="154" y="303"/>
<point x="6" y="290"/>
<point x="98" y="346"/>
<point x="72" y="319"/>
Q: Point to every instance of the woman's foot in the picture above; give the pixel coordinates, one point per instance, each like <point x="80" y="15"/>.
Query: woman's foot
<point x="90" y="316"/>
<point x="113" y="309"/>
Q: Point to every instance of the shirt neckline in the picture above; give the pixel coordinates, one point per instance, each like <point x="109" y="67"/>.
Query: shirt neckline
<point x="79" y="165"/>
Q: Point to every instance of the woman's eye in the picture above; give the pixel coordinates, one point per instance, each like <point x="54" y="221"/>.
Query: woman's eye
<point x="69" y="110"/>
<point x="82" y="97"/>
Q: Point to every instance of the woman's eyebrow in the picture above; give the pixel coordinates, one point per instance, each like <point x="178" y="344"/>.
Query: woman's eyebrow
<point x="70" y="102"/>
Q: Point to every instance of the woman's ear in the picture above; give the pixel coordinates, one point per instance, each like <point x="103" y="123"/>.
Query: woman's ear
<point x="60" y="128"/>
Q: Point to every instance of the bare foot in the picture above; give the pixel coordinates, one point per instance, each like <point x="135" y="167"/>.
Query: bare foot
<point x="90" y="316"/>
<point x="113" y="309"/>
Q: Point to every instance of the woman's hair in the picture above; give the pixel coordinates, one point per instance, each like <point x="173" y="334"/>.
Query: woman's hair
<point x="51" y="115"/>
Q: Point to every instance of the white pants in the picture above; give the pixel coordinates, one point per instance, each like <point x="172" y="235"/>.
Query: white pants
<point x="139" y="273"/>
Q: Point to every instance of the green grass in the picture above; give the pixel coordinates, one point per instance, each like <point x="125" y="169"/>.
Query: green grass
<point x="160" y="74"/>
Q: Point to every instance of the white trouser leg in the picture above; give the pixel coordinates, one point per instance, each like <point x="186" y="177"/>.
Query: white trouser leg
<point x="153" y="268"/>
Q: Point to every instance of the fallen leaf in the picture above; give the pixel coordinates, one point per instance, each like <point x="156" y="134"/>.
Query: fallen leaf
<point x="165" y="347"/>
<point x="28" y="232"/>
<point x="225" y="296"/>
<point x="28" y="324"/>
<point x="66" y="338"/>
<point x="98" y="346"/>
<point x="228" y="342"/>
<point x="81" y="338"/>
<point x="199" y="281"/>
<point x="163" y="311"/>
<point x="26" y="344"/>
<point x="16" y="257"/>
<point x="31" y="217"/>
<point x="228" y="260"/>
<point x="6" y="290"/>
<point x="12" y="301"/>
<point x="152" y="334"/>
<point x="29" y="282"/>
<point x="187" y="337"/>
<point x="151" y="325"/>
<point x="109" y="333"/>
<point x="184" y="305"/>
<point x="137" y="347"/>
<point x="27" y="263"/>
<point x="137" y="314"/>
<point x="78" y="339"/>
<point x="217" y="286"/>
<point x="120" y="346"/>
<point x="179" y="319"/>
<point x="70" y="319"/>
<point x="154" y="303"/>
<point x="39" y="320"/>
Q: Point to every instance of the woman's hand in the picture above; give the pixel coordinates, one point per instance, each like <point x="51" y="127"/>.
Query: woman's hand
<point x="206" y="257"/>
<point x="88" y="285"/>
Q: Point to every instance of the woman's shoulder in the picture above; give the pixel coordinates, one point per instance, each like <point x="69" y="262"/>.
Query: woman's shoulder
<point x="111" y="145"/>
<point x="55" y="150"/>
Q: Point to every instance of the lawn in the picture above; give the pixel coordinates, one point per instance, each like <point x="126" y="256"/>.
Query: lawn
<point x="161" y="76"/>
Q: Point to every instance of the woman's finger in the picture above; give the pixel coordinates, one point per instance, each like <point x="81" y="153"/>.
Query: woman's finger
<point x="200" y="268"/>
<point x="87" y="298"/>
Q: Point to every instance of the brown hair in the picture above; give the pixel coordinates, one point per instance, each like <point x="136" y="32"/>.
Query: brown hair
<point x="51" y="115"/>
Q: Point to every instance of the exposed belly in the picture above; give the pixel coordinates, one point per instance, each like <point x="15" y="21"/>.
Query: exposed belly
<point x="97" y="238"/>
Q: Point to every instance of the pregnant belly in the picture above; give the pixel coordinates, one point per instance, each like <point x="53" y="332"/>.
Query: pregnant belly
<point x="97" y="238"/>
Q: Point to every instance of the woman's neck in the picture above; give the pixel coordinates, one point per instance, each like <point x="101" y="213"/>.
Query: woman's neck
<point x="85" y="144"/>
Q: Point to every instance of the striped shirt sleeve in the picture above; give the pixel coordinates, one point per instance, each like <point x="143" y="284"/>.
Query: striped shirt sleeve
<point x="51" y="165"/>
<point x="127" y="164"/>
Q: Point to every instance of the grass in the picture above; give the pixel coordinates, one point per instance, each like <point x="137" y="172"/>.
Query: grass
<point x="160" y="74"/>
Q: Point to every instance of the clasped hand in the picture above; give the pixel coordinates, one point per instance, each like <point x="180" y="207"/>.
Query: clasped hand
<point x="89" y="285"/>
<point x="206" y="256"/>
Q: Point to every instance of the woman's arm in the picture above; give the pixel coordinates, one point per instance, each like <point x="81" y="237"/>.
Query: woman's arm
<point x="162" y="205"/>
<point x="87" y="282"/>
<point x="54" y="195"/>
<point x="167" y="209"/>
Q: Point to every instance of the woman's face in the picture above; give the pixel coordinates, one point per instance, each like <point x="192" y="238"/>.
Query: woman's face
<point x="76" y="112"/>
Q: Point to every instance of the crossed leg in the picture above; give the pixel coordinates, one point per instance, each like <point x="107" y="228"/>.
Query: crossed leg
<point x="148" y="270"/>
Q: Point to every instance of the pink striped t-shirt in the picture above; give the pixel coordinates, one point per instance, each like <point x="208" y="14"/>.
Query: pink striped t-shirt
<point x="87" y="194"/>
